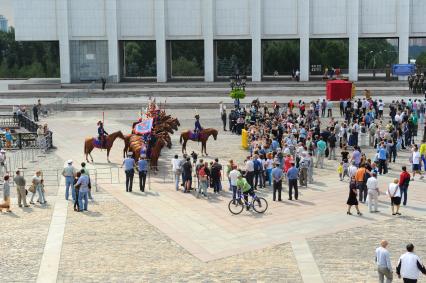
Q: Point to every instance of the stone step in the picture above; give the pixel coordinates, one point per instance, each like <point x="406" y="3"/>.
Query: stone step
<point x="293" y="92"/>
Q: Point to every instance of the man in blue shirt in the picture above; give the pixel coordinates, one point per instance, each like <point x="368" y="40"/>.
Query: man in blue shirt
<point x="142" y="168"/>
<point x="275" y="144"/>
<point x="321" y="147"/>
<point x="277" y="174"/>
<point x="129" y="165"/>
<point x="382" y="156"/>
<point x="292" y="175"/>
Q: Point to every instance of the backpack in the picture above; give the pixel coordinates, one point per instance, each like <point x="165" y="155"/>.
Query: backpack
<point x="257" y="165"/>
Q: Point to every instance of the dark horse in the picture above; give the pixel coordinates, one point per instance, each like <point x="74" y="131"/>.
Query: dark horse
<point x="91" y="143"/>
<point x="203" y="136"/>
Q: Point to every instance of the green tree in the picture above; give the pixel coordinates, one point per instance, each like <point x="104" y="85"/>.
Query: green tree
<point x="376" y="53"/>
<point x="421" y="59"/>
<point x="233" y="55"/>
<point x="185" y="67"/>
<point x="27" y="59"/>
<point x="281" y="56"/>
<point x="140" y="58"/>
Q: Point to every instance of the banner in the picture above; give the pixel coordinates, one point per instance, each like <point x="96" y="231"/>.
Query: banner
<point x="403" y="69"/>
<point x="143" y="127"/>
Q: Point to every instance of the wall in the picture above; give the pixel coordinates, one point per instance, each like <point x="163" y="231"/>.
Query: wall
<point x="35" y="20"/>
<point x="89" y="60"/>
<point x="136" y="19"/>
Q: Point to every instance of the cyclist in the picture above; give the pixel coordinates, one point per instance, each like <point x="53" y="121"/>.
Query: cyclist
<point x="244" y="187"/>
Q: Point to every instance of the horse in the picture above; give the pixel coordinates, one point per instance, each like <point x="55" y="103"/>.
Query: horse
<point x="203" y="136"/>
<point x="91" y="143"/>
<point x="156" y="150"/>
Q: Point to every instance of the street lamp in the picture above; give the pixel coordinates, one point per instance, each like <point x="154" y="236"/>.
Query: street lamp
<point x="238" y="82"/>
<point x="365" y="59"/>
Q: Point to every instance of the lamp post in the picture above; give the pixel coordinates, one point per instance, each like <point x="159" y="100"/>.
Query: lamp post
<point x="238" y="82"/>
<point x="365" y="59"/>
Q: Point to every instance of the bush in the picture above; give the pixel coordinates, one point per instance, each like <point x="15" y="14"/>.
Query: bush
<point x="237" y="94"/>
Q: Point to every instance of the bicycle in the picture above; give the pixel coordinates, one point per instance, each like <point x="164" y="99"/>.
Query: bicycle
<point x="259" y="204"/>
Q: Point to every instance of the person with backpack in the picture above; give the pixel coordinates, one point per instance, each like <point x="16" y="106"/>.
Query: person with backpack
<point x="257" y="163"/>
<point x="404" y="182"/>
<point x="203" y="179"/>
<point x="215" y="176"/>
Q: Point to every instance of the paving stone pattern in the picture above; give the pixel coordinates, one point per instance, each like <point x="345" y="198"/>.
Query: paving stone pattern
<point x="22" y="239"/>
<point x="24" y="231"/>
<point x="112" y="244"/>
<point x="348" y="256"/>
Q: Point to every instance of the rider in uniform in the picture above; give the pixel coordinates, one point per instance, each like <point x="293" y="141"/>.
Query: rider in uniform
<point x="102" y="134"/>
<point x="198" y="127"/>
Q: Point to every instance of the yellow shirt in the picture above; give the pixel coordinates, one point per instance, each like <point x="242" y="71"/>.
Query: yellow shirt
<point x="422" y="149"/>
<point x="340" y="169"/>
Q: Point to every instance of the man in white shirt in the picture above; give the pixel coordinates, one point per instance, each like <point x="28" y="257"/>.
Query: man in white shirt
<point x="384" y="267"/>
<point x="373" y="192"/>
<point x="250" y="171"/>
<point x="410" y="266"/>
<point x="352" y="170"/>
<point x="415" y="160"/>
<point x="177" y="170"/>
<point x="233" y="177"/>
<point x="381" y="107"/>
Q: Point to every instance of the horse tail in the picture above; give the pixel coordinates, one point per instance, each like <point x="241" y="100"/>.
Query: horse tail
<point x="181" y="138"/>
<point x="85" y="147"/>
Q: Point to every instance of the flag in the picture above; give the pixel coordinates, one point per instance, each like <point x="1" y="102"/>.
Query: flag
<point x="143" y="127"/>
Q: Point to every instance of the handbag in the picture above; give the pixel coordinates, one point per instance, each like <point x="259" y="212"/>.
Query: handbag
<point x="32" y="188"/>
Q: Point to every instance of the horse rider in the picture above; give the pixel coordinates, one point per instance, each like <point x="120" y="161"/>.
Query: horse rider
<point x="198" y="127"/>
<point x="102" y="134"/>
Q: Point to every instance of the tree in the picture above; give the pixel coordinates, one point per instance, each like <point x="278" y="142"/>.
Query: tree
<point x="421" y="59"/>
<point x="27" y="59"/>
<point x="185" y="67"/>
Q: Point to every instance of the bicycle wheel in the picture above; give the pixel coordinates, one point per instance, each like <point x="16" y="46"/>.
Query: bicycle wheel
<point x="235" y="207"/>
<point x="260" y="205"/>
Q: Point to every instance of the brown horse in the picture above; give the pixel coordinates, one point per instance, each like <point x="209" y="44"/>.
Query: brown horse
<point x="89" y="144"/>
<point x="203" y="136"/>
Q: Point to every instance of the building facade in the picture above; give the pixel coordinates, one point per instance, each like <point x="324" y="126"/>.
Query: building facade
<point x="90" y="32"/>
<point x="3" y="24"/>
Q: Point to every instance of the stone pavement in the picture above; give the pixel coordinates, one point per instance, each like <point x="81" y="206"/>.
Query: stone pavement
<point x="168" y="236"/>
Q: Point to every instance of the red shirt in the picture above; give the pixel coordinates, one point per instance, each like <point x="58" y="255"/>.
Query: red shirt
<point x="287" y="163"/>
<point x="403" y="177"/>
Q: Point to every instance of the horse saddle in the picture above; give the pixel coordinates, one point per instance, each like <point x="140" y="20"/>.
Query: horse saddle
<point x="97" y="143"/>
<point x="194" y="135"/>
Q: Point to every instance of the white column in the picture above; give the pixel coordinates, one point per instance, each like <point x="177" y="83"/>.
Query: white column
<point x="403" y="31"/>
<point x="62" y="27"/>
<point x="256" y="39"/>
<point x="112" y="34"/>
<point x="160" y="37"/>
<point x="304" y="31"/>
<point x="208" y="32"/>
<point x="353" y="31"/>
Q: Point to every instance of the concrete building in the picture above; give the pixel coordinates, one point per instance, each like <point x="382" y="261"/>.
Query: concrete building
<point x="90" y="32"/>
<point x="3" y="24"/>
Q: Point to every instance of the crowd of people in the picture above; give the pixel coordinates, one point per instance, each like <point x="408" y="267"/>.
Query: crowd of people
<point x="36" y="188"/>
<point x="296" y="137"/>
<point x="78" y="182"/>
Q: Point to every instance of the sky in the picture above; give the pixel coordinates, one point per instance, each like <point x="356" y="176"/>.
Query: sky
<point x="6" y="10"/>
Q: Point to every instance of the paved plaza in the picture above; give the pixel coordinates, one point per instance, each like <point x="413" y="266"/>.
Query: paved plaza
<point x="167" y="236"/>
